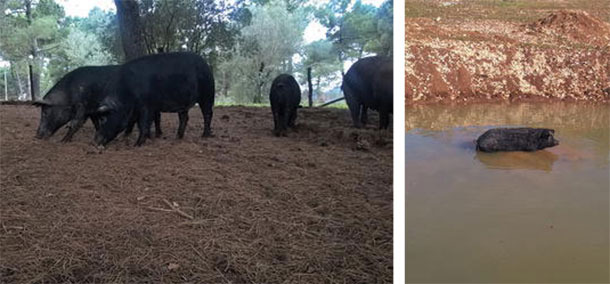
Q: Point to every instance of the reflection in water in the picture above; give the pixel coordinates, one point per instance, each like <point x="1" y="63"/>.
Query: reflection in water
<point x="539" y="160"/>
<point x="509" y="217"/>
<point x="439" y="117"/>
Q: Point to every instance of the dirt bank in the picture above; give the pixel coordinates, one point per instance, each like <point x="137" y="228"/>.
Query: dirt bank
<point x="562" y="56"/>
<point x="244" y="206"/>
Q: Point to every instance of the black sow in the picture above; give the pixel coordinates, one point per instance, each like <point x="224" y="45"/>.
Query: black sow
<point x="167" y="82"/>
<point x="285" y="97"/>
<point x="516" y="139"/>
<point x="368" y="84"/>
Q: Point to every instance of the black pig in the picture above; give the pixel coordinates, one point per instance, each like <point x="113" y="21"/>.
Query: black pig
<point x="285" y="97"/>
<point x="367" y="84"/>
<point x="167" y="82"/>
<point x="516" y="139"/>
<point x="74" y="98"/>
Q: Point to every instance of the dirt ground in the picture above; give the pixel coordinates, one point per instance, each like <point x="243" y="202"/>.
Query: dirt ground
<point x="464" y="51"/>
<point x="241" y="207"/>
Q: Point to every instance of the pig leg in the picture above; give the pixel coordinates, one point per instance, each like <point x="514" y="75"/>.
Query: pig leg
<point x="158" y="132"/>
<point x="293" y="118"/>
<point x="284" y="118"/>
<point x="354" y="108"/>
<point x="75" y="124"/>
<point x="96" y="122"/>
<point x="132" y="122"/>
<point x="353" y="104"/>
<point x="363" y="116"/>
<point x="276" y="122"/>
<point x="207" y="112"/>
<point x="144" y="119"/>
<point x="384" y="119"/>
<point x="183" y="116"/>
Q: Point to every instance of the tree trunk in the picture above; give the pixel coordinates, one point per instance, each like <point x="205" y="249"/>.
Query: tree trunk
<point x="320" y="96"/>
<point x="258" y="98"/>
<point x="289" y="65"/>
<point x="18" y="80"/>
<point x="35" y="81"/>
<point x="128" y="15"/>
<point x="339" y="50"/>
<point x="225" y="81"/>
<point x="310" y="88"/>
<point x="34" y="73"/>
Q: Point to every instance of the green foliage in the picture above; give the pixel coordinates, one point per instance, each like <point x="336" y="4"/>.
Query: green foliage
<point x="92" y="40"/>
<point x="319" y="51"/>
<point x="200" y="26"/>
<point x="78" y="48"/>
<point x="265" y="49"/>
<point x="18" y="37"/>
<point x="29" y="32"/>
<point x="12" y="89"/>
<point x="357" y="29"/>
<point x="325" y="68"/>
<point x="82" y="48"/>
<point x="332" y="16"/>
<point x="46" y="8"/>
<point x="247" y="42"/>
<point x="382" y="42"/>
<point x="291" y="5"/>
<point x="104" y="25"/>
<point x="61" y="44"/>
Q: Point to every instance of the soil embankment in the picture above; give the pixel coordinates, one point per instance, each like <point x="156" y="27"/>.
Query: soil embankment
<point x="563" y="56"/>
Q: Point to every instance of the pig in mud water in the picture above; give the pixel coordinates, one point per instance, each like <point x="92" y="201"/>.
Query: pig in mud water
<point x="285" y="97"/>
<point x="368" y="84"/>
<point x="516" y="139"/>
<point x="74" y="98"/>
<point x="167" y="82"/>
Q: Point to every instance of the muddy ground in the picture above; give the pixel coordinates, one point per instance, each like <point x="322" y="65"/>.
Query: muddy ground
<point x="464" y="51"/>
<point x="243" y="206"/>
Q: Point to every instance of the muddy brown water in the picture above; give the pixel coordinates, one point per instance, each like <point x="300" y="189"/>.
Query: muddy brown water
<point x="540" y="217"/>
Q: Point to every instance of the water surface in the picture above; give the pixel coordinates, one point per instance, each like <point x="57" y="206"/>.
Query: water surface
<point x="519" y="217"/>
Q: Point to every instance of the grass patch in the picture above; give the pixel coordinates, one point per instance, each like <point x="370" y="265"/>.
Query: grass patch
<point x="339" y="105"/>
<point x="241" y="104"/>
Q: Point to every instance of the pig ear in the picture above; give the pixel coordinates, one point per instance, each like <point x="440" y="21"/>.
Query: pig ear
<point x="103" y="109"/>
<point x="40" y="103"/>
<point x="542" y="133"/>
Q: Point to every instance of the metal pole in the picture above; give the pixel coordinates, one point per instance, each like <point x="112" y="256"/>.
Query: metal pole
<point x="332" y="102"/>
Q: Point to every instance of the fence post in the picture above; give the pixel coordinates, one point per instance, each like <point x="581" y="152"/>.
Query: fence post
<point x="5" y="87"/>
<point x="31" y="83"/>
<point x="310" y="88"/>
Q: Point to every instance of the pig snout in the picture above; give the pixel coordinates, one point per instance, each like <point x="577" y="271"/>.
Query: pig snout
<point x="100" y="140"/>
<point x="42" y="133"/>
